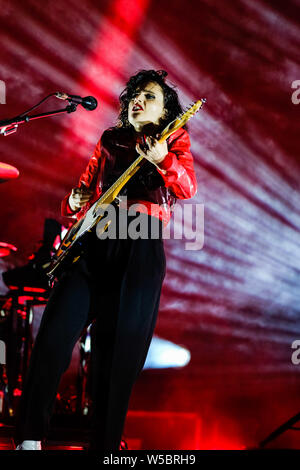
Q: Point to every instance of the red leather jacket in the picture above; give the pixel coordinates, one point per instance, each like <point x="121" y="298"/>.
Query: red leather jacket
<point x="152" y="190"/>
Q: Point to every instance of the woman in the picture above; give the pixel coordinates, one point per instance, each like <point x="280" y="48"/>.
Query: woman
<point x="117" y="282"/>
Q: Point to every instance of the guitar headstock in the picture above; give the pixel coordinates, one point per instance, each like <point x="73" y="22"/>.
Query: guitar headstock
<point x="182" y="119"/>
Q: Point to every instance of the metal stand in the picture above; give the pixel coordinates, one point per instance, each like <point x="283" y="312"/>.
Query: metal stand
<point x="9" y="126"/>
<point x="288" y="425"/>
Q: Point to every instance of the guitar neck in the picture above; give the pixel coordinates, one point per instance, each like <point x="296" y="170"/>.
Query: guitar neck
<point x="117" y="185"/>
<point x="131" y="170"/>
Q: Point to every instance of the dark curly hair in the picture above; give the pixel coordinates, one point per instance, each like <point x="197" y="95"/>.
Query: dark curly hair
<point x="138" y="81"/>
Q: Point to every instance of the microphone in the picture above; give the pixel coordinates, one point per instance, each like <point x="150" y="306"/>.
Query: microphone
<point x="89" y="102"/>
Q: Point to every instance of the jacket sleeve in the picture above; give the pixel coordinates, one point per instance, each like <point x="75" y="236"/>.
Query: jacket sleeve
<point x="177" y="168"/>
<point x="87" y="179"/>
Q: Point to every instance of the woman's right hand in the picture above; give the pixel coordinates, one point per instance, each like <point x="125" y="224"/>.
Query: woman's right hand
<point x="79" y="197"/>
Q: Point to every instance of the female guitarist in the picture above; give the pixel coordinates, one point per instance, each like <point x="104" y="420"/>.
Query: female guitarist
<point x="116" y="283"/>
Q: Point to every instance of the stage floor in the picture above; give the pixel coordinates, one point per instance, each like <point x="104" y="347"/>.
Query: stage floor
<point x="7" y="441"/>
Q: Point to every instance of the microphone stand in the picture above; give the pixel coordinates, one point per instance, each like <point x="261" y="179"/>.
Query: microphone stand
<point x="9" y="126"/>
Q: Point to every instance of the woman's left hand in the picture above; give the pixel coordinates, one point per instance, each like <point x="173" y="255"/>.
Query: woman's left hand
<point x="156" y="150"/>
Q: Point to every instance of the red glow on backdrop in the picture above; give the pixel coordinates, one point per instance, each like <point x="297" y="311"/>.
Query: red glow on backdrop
<point x="234" y="305"/>
<point x="102" y="70"/>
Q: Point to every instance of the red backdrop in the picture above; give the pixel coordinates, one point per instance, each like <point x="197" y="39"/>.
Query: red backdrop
<point x="235" y="303"/>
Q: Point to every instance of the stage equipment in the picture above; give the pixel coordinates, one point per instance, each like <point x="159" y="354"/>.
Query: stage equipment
<point x="9" y="126"/>
<point x="89" y="102"/>
<point x="33" y="273"/>
<point x="288" y="425"/>
<point x="7" y="172"/>
<point x="15" y="333"/>
<point x="6" y="249"/>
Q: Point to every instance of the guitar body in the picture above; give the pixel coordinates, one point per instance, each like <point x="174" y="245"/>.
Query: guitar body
<point x="67" y="255"/>
<point x="71" y="247"/>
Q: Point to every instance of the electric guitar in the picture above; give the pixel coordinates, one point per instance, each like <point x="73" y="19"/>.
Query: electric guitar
<point x="69" y="250"/>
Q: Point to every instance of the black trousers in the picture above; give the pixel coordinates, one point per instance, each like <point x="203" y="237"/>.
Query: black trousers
<point x="117" y="284"/>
